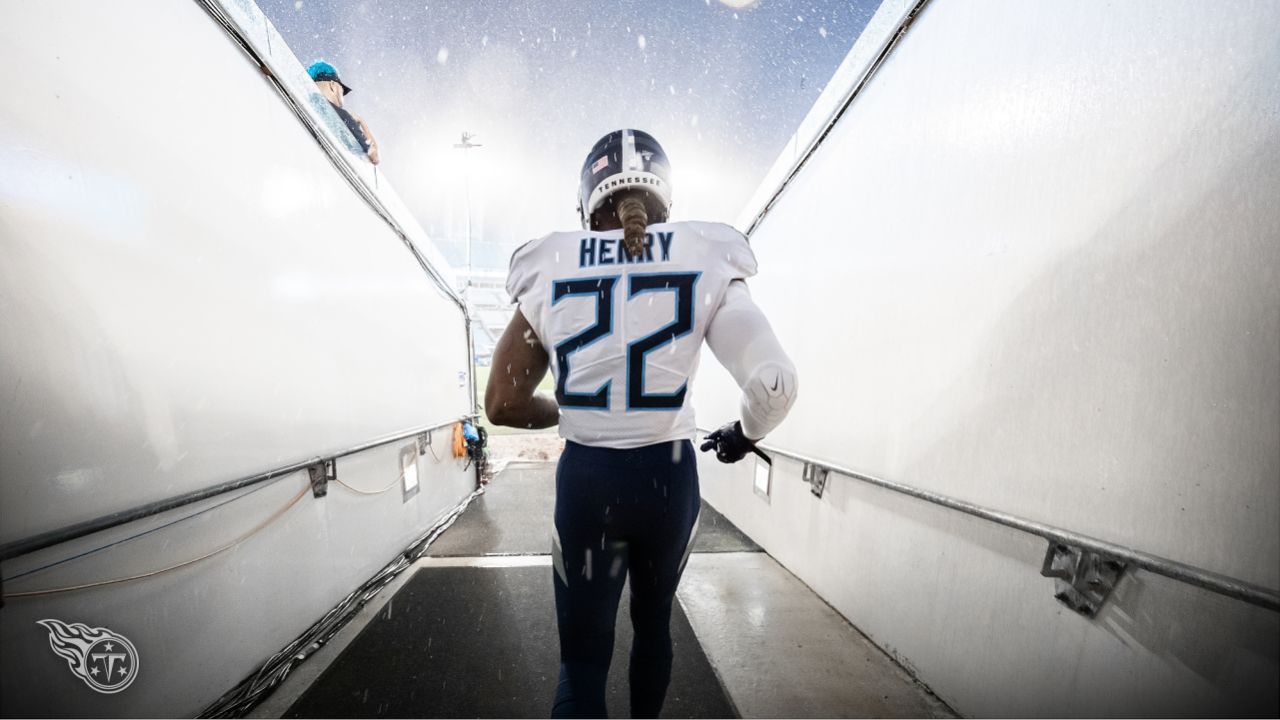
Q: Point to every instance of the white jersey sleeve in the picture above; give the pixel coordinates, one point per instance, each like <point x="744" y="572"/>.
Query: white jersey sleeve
<point x="623" y="334"/>
<point x="743" y="341"/>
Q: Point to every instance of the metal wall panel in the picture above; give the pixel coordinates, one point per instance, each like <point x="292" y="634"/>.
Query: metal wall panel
<point x="194" y="289"/>
<point x="1035" y="266"/>
<point x="191" y="291"/>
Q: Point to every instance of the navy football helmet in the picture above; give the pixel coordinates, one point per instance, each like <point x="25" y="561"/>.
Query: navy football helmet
<point x="625" y="160"/>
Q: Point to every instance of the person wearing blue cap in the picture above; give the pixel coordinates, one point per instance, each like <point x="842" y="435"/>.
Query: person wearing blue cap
<point x="333" y="89"/>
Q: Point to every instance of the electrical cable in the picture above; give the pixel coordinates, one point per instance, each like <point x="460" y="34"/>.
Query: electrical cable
<point x="373" y="492"/>
<point x="176" y="521"/>
<point x="261" y="526"/>
<point x="144" y="533"/>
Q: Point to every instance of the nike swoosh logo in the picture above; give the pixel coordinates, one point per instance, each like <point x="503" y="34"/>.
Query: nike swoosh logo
<point x="775" y="384"/>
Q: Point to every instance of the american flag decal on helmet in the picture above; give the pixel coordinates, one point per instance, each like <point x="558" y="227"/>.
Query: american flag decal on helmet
<point x="104" y="660"/>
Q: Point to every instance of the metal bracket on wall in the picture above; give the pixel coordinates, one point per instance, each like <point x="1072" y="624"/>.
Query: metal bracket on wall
<point x="816" y="476"/>
<point x="321" y="473"/>
<point x="1083" y="579"/>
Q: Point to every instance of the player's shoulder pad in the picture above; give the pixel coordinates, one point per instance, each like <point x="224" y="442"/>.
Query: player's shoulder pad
<point x="525" y="250"/>
<point x="731" y="243"/>
<point x="521" y="269"/>
<point x="529" y="259"/>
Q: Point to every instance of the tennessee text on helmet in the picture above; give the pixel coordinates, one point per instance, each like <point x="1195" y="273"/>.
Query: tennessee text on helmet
<point x="624" y="160"/>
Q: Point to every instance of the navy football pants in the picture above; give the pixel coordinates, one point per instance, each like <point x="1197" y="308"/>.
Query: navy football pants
<point x="619" y="512"/>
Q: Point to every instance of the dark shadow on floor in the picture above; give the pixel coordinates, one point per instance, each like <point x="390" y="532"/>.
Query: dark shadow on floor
<point x="481" y="642"/>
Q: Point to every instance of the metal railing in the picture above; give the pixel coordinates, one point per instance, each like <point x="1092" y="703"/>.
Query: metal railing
<point x="1214" y="582"/>
<point x="71" y="532"/>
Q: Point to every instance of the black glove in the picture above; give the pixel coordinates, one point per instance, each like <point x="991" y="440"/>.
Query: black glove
<point x="731" y="445"/>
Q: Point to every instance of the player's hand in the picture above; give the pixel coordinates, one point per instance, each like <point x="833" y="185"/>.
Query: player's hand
<point x="730" y="444"/>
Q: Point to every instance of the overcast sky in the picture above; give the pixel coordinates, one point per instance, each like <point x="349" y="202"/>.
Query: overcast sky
<point x="538" y="81"/>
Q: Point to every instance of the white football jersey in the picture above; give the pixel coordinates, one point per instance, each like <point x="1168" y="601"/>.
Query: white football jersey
<point x="624" y="335"/>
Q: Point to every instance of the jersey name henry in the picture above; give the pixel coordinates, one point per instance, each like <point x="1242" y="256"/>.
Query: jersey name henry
<point x="608" y="251"/>
<point x="624" y="335"/>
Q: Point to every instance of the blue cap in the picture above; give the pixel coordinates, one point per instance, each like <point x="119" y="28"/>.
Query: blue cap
<point x="321" y="70"/>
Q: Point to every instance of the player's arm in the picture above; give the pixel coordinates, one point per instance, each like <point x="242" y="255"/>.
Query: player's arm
<point x="743" y="341"/>
<point x="373" y="144"/>
<point x="519" y="364"/>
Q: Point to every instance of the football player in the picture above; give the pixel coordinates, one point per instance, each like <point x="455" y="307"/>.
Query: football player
<point x="618" y="311"/>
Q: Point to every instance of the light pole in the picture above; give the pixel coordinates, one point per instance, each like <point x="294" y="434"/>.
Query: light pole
<point x="465" y="146"/>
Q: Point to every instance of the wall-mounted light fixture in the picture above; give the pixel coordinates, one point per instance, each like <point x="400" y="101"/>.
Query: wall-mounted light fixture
<point x="763" y="478"/>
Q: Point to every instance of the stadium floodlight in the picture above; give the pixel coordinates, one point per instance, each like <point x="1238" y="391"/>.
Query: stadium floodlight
<point x="466" y="146"/>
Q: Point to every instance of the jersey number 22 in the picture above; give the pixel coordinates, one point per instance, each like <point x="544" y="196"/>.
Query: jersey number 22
<point x="603" y="289"/>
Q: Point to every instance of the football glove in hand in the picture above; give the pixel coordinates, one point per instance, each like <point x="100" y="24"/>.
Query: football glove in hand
<point x="731" y="445"/>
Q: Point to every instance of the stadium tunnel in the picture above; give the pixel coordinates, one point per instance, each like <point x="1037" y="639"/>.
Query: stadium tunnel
<point x="1026" y="256"/>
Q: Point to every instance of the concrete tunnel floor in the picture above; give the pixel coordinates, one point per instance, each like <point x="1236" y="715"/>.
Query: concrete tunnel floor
<point x="469" y="631"/>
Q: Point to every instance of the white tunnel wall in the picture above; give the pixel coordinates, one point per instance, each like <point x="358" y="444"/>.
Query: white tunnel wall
<point x="192" y="292"/>
<point x="1036" y="266"/>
